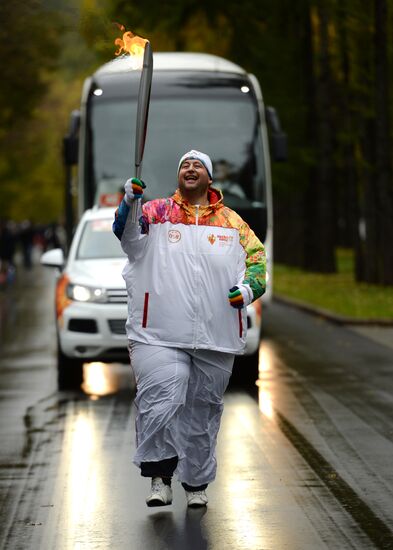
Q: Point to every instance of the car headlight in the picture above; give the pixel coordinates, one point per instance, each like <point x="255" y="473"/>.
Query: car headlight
<point x="82" y="293"/>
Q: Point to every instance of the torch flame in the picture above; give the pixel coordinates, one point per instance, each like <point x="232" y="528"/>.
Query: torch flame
<point x="130" y="43"/>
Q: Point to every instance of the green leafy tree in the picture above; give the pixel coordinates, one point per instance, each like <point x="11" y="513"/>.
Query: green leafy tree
<point x="331" y="91"/>
<point x="44" y="60"/>
<point x="29" y="46"/>
<point x="333" y="96"/>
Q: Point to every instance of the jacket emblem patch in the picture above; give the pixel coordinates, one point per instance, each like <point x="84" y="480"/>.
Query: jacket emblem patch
<point x="174" y="236"/>
<point x="211" y="238"/>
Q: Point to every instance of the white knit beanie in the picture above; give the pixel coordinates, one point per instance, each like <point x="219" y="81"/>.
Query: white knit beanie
<point x="197" y="155"/>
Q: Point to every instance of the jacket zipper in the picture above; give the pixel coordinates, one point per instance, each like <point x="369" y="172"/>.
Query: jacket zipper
<point x="196" y="274"/>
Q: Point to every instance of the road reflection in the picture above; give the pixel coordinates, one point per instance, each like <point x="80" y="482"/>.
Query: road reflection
<point x="90" y="462"/>
<point x="84" y="474"/>
<point x="242" y="498"/>
<point x="102" y="379"/>
<point x="264" y="382"/>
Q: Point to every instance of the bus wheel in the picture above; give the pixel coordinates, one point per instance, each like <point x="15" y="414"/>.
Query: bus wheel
<point x="69" y="372"/>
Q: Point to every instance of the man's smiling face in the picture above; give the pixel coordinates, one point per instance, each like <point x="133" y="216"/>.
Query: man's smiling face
<point x="193" y="178"/>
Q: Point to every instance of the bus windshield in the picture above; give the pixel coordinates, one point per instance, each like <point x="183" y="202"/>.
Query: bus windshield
<point x="226" y="128"/>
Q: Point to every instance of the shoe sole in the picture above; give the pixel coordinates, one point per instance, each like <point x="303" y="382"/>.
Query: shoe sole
<point x="197" y="505"/>
<point x="154" y="502"/>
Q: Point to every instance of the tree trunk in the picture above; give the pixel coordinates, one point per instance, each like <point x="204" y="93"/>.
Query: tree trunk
<point x="289" y="229"/>
<point x="369" y="245"/>
<point x="319" y="203"/>
<point x="383" y="183"/>
<point x="352" y="233"/>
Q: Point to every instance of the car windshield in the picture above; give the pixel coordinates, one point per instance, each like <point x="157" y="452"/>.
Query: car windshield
<point x="98" y="241"/>
<point x="226" y="127"/>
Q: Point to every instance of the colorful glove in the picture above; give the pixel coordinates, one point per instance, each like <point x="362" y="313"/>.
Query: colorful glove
<point x="240" y="296"/>
<point x="235" y="298"/>
<point x="134" y="190"/>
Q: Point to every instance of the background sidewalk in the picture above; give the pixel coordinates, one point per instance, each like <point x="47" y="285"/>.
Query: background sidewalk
<point x="378" y="330"/>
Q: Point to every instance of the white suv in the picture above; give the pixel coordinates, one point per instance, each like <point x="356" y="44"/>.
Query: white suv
<point x="91" y="300"/>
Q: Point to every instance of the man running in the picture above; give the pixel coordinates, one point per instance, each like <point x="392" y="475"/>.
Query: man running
<point x="193" y="267"/>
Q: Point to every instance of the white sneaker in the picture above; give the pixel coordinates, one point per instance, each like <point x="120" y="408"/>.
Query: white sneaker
<point x="160" y="495"/>
<point x="196" y="499"/>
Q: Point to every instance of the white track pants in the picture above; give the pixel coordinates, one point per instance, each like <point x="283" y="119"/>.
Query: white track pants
<point x="179" y="403"/>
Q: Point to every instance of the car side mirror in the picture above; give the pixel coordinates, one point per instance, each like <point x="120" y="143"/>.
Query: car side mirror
<point x="53" y="258"/>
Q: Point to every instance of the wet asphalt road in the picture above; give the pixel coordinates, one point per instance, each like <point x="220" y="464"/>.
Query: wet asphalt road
<point x="305" y="456"/>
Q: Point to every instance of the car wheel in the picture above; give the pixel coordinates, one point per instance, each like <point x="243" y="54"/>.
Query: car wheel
<point x="69" y="372"/>
<point x="245" y="370"/>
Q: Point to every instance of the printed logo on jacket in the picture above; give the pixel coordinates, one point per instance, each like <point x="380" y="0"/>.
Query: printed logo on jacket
<point x="223" y="240"/>
<point x="174" y="236"/>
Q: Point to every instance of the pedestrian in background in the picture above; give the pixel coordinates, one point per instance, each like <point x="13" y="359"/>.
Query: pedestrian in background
<point x="193" y="267"/>
<point x="26" y="238"/>
<point x="7" y="252"/>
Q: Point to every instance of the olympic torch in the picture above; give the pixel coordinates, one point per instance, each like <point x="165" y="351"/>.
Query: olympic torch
<point x="142" y="116"/>
<point x="134" y="46"/>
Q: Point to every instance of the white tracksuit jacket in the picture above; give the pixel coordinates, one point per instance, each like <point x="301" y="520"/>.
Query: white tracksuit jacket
<point x="182" y="261"/>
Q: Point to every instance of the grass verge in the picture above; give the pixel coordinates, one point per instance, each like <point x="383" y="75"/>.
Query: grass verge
<point x="338" y="293"/>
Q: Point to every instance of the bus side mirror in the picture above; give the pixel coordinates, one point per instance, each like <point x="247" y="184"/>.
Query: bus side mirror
<point x="71" y="140"/>
<point x="279" y="140"/>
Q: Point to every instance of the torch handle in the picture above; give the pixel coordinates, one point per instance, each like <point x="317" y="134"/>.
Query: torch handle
<point x="134" y="206"/>
<point x="142" y="116"/>
<point x="134" y="210"/>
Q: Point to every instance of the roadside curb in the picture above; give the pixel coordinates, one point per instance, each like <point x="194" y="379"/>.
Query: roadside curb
<point x="328" y="315"/>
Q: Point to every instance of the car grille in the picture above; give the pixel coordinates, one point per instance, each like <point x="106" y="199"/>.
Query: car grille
<point x="117" y="326"/>
<point x="83" y="325"/>
<point x="117" y="295"/>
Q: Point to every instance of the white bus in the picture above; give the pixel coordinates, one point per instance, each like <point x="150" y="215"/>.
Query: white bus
<point x="198" y="101"/>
